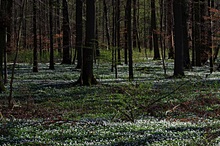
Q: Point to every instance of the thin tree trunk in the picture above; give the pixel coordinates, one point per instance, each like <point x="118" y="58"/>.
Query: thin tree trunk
<point x="51" y="35"/>
<point x="58" y="27"/>
<point x="126" y="36"/>
<point x="10" y="98"/>
<point x="35" y="64"/>
<point x="193" y="34"/>
<point x="131" y="76"/>
<point x="113" y="36"/>
<point x="2" y="46"/>
<point x="106" y="24"/>
<point x="145" y="30"/>
<point x="118" y="32"/>
<point x="134" y="24"/>
<point x="170" y="28"/>
<point x="210" y="37"/>
<point x="162" y="41"/>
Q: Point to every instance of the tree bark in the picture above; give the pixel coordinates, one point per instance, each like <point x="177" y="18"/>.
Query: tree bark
<point x="58" y="26"/>
<point x="51" y="35"/>
<point x="79" y="32"/>
<point x="35" y="63"/>
<point x="3" y="25"/>
<point x="186" y="60"/>
<point x="106" y="24"/>
<point x="178" y="37"/>
<point x="66" y="35"/>
<point x="87" y="77"/>
<point x="154" y="30"/>
<point x="131" y="76"/>
<point x="126" y="36"/>
<point x="210" y="37"/>
<point x="169" y="14"/>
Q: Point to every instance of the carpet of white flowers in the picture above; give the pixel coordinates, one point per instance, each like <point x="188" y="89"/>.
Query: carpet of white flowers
<point x="149" y="131"/>
<point x="84" y="109"/>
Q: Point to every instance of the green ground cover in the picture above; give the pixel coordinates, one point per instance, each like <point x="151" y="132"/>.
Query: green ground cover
<point x="153" y="109"/>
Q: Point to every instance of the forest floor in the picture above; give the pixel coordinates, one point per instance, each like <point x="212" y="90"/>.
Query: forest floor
<point x="153" y="109"/>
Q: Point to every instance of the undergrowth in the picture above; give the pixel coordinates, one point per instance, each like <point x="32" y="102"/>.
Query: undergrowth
<point x="151" y="110"/>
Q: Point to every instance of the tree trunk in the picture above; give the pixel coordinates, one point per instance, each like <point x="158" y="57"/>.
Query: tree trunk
<point x="66" y="35"/>
<point x="35" y="64"/>
<point x="58" y="27"/>
<point x="186" y="60"/>
<point x="178" y="37"/>
<point x="118" y="32"/>
<point x="79" y="33"/>
<point x="87" y="77"/>
<point x="210" y="38"/>
<point x="106" y="24"/>
<point x="170" y="28"/>
<point x="134" y="24"/>
<point x="131" y="76"/>
<point x="2" y="42"/>
<point x="203" y="32"/>
<point x="145" y="31"/>
<point x="51" y="35"/>
<point x="197" y="32"/>
<point x="126" y="36"/>
<point x="154" y="29"/>
<point x="113" y="36"/>
<point x="9" y="38"/>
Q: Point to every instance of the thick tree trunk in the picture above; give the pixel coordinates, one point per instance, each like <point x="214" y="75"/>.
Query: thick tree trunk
<point x="154" y="30"/>
<point x="87" y="77"/>
<point x="178" y="37"/>
<point x="186" y="60"/>
<point x="66" y="35"/>
<point x="197" y="32"/>
<point x="169" y="4"/>
<point x="79" y="33"/>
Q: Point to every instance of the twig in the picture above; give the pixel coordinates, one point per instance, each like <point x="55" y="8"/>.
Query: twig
<point x="165" y="96"/>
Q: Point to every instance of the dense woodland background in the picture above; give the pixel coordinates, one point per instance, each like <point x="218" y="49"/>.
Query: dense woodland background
<point x="45" y="44"/>
<point x="69" y="28"/>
